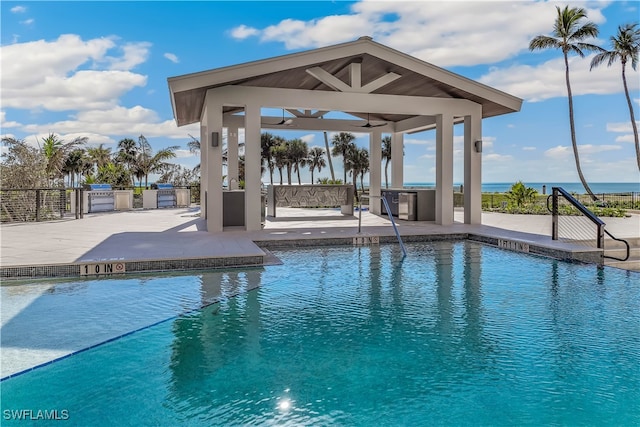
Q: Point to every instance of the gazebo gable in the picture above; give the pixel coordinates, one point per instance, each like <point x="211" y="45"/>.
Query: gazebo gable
<point x="362" y="66"/>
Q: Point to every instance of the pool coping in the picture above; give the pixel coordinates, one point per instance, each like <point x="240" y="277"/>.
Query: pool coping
<point x="513" y="241"/>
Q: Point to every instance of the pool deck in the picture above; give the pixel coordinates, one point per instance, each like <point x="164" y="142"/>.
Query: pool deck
<point x="166" y="239"/>
<point x="162" y="239"/>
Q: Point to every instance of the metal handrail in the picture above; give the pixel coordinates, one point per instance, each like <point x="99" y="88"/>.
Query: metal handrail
<point x="586" y="212"/>
<point x="393" y="223"/>
<point x="619" y="240"/>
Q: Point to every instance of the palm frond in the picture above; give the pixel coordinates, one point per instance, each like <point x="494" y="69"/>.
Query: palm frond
<point x="544" y="42"/>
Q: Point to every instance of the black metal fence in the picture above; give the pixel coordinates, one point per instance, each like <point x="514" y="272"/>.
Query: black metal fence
<point x="47" y="204"/>
<point x="33" y="204"/>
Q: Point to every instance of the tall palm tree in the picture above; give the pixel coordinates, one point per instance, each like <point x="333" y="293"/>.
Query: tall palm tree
<point x="148" y="163"/>
<point x="74" y="164"/>
<point x="386" y="156"/>
<point x="99" y="156"/>
<point x="56" y="152"/>
<point x="267" y="141"/>
<point x="568" y="33"/>
<point x="127" y="155"/>
<point x="326" y="146"/>
<point x="625" y="47"/>
<point x="342" y="143"/>
<point x="358" y="165"/>
<point x="194" y="148"/>
<point x="298" y="153"/>
<point x="279" y="153"/>
<point x="316" y="160"/>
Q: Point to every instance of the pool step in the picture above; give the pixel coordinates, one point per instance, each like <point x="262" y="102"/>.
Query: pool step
<point x="366" y="240"/>
<point x="633" y="263"/>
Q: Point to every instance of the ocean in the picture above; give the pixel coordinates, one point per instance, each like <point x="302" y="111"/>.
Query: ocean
<point x="572" y="187"/>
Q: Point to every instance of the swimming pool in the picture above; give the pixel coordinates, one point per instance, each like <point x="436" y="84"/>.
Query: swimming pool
<point x="457" y="333"/>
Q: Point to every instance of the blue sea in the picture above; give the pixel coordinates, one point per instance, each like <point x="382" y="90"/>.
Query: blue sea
<point x="571" y="187"/>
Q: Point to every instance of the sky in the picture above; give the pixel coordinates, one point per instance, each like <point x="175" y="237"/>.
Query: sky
<point x="99" y="69"/>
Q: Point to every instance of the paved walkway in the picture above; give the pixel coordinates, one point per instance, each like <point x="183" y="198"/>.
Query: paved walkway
<point x="181" y="233"/>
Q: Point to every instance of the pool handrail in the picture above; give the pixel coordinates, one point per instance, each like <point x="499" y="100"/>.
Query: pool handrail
<point x="393" y="223"/>
<point x="555" y="192"/>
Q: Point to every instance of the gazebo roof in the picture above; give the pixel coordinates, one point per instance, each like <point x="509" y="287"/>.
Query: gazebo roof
<point x="409" y="77"/>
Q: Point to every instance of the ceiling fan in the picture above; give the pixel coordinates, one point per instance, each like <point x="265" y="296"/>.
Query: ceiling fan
<point x="284" y="121"/>
<point x="369" y="125"/>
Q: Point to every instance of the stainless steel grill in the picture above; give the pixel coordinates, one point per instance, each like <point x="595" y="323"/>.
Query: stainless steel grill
<point x="166" y="195"/>
<point x="99" y="198"/>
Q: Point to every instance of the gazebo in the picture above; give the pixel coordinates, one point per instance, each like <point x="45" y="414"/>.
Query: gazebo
<point x="364" y="79"/>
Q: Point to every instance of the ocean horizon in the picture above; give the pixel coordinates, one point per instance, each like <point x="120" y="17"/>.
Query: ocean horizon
<point x="571" y="187"/>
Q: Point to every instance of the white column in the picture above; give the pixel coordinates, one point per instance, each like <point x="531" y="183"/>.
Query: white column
<point x="444" y="169"/>
<point x="214" y="167"/>
<point x="472" y="169"/>
<point x="203" y="166"/>
<point x="252" y="199"/>
<point x="397" y="160"/>
<point x="232" y="158"/>
<point x="375" y="171"/>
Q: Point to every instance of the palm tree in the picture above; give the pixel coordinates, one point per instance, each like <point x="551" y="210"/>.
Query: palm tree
<point x="625" y="46"/>
<point x="279" y="153"/>
<point x="357" y="161"/>
<point x="56" y="152"/>
<point x="326" y="146"/>
<point x="127" y="155"/>
<point x="99" y="156"/>
<point x="298" y="153"/>
<point x="267" y="141"/>
<point x="194" y="148"/>
<point x="568" y="33"/>
<point x="386" y="156"/>
<point x="74" y="164"/>
<point x="316" y="160"/>
<point x="342" y="143"/>
<point x="147" y="163"/>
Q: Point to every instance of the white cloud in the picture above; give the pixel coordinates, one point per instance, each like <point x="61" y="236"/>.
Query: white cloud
<point x="5" y="124"/>
<point x="18" y="9"/>
<point x="242" y="32"/>
<point x="415" y="141"/>
<point x="564" y="151"/>
<point x="442" y="33"/>
<point x="623" y="127"/>
<point x="529" y="148"/>
<point x="47" y="75"/>
<point x="118" y="121"/>
<point x="133" y="54"/>
<point x="592" y="149"/>
<point x="308" y="138"/>
<point x="171" y="57"/>
<point x="625" y="138"/>
<point x="547" y="80"/>
<point x="560" y="151"/>
<point x="495" y="157"/>
<point x="181" y="154"/>
<point x="29" y="21"/>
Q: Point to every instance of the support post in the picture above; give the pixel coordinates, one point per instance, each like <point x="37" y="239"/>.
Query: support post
<point x="472" y="169"/>
<point x="375" y="174"/>
<point x="232" y="158"/>
<point x="213" y="197"/>
<point x="252" y="172"/>
<point x="397" y="160"/>
<point x="444" y="169"/>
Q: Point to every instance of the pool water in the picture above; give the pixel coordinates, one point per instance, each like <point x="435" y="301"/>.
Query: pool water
<point x="457" y="333"/>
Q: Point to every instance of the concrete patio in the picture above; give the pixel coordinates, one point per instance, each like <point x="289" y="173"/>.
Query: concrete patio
<point x="179" y="234"/>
